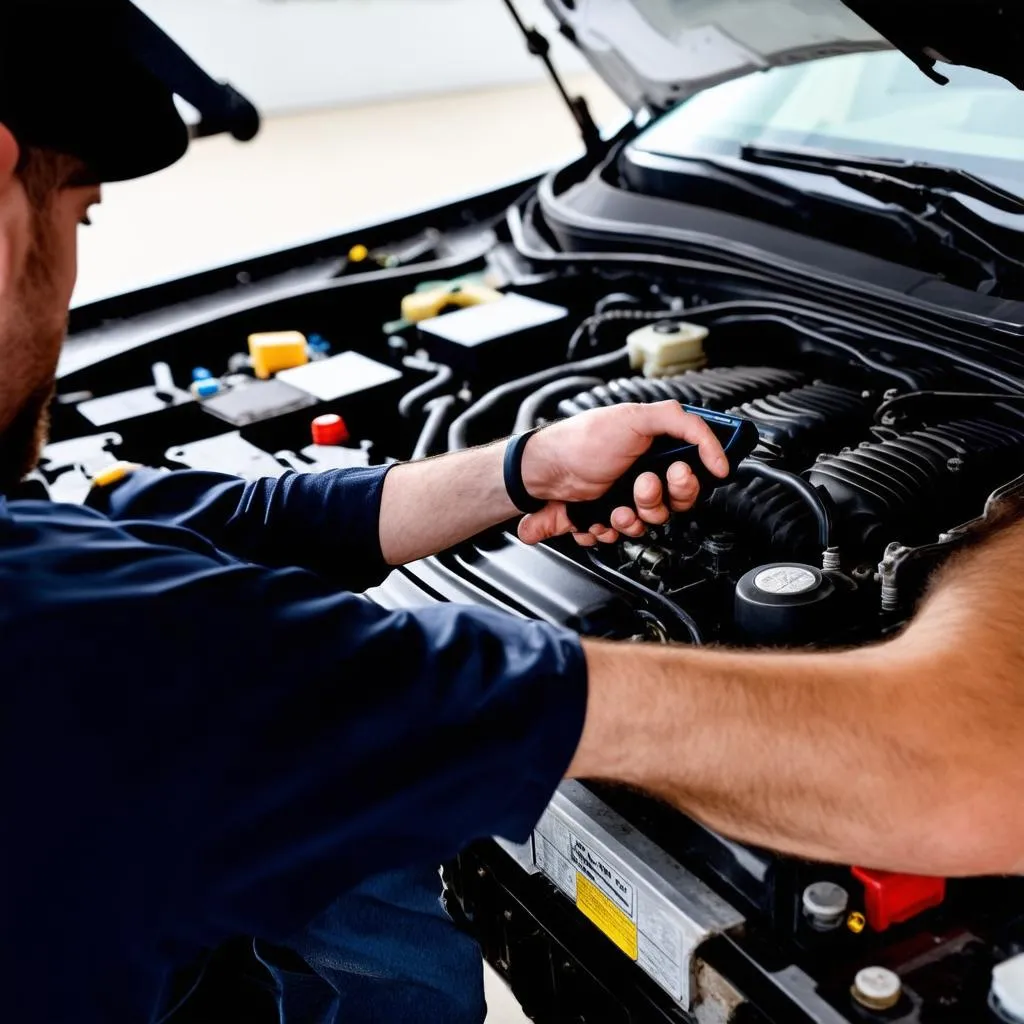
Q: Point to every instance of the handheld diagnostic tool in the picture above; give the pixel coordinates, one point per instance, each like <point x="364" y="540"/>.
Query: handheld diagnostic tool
<point x="738" y="437"/>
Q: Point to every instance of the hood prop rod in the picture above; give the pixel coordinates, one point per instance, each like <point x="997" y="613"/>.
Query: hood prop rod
<point x="538" y="45"/>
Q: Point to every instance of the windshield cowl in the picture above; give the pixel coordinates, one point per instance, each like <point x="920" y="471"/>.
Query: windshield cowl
<point x="862" y="151"/>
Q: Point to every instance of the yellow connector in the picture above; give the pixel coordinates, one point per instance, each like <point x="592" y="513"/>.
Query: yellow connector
<point x="272" y="353"/>
<point x="114" y="474"/>
<point x="425" y="305"/>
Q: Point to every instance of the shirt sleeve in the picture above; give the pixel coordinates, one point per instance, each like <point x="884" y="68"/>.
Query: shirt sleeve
<point x="220" y="750"/>
<point x="328" y="522"/>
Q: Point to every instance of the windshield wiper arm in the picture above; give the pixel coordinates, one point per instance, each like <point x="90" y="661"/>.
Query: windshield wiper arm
<point x="945" y="223"/>
<point x="952" y="250"/>
<point x="912" y="174"/>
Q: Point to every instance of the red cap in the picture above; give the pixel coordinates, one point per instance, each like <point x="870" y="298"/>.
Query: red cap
<point x="890" y="898"/>
<point x="330" y="430"/>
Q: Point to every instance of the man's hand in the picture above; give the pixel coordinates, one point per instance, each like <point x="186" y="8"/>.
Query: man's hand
<point x="431" y="505"/>
<point x="580" y="458"/>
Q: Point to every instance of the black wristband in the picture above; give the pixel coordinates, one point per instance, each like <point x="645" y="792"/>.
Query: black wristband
<point x="514" y="486"/>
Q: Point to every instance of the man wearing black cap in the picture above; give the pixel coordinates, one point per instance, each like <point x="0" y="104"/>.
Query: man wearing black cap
<point x="162" y="793"/>
<point x="184" y="794"/>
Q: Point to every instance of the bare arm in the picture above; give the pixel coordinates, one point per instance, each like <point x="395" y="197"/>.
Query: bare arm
<point x="429" y="506"/>
<point x="906" y="756"/>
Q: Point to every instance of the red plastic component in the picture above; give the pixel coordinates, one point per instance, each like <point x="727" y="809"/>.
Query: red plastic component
<point x="890" y="898"/>
<point x="330" y="430"/>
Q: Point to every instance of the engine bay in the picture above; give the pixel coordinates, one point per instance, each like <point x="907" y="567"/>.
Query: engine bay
<point x="886" y="440"/>
<point x="873" y="447"/>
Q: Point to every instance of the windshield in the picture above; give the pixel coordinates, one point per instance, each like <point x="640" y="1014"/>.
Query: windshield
<point x="870" y="104"/>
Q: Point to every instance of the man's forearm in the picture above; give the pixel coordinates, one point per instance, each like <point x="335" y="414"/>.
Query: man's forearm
<point x="429" y="506"/>
<point x="904" y="756"/>
<point x="792" y="752"/>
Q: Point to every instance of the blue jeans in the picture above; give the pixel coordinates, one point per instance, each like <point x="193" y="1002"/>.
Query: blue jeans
<point x="386" y="951"/>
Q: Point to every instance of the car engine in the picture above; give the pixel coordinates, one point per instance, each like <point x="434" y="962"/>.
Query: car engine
<point x="863" y="462"/>
<point x="886" y="440"/>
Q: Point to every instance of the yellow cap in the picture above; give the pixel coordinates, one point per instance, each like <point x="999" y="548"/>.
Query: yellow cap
<point x="114" y="474"/>
<point x="425" y="305"/>
<point x="358" y="253"/>
<point x="277" y="351"/>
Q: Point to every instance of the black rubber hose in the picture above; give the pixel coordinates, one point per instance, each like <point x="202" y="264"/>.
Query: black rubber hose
<point x="799" y="486"/>
<point x="438" y="411"/>
<point x="413" y="402"/>
<point x="668" y="609"/>
<point x="516" y="221"/>
<point x="617" y="298"/>
<point x="860" y="328"/>
<point x="590" y="325"/>
<point x="938" y="397"/>
<point x="824" y="339"/>
<point x="532" y="407"/>
<point x="458" y="434"/>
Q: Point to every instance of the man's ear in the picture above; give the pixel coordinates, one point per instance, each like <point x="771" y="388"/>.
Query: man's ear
<point x="10" y="154"/>
<point x="9" y="228"/>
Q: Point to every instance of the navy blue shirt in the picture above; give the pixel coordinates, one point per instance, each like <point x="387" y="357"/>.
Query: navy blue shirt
<point x="204" y="733"/>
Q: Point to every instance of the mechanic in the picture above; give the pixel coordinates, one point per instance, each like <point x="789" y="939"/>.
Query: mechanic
<point x="196" y="705"/>
<point x="205" y="734"/>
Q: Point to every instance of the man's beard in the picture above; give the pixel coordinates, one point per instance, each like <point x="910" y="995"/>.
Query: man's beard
<point x="23" y="441"/>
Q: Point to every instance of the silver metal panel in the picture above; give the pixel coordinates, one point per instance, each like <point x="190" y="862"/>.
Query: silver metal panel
<point x="646" y="902"/>
<point x="521" y="853"/>
<point x="227" y="453"/>
<point x="803" y="991"/>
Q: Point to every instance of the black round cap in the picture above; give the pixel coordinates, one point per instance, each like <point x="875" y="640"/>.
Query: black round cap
<point x="70" y="81"/>
<point x="787" y="603"/>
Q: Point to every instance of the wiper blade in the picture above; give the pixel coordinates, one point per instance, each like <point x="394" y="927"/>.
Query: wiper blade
<point x="959" y="234"/>
<point x="912" y="174"/>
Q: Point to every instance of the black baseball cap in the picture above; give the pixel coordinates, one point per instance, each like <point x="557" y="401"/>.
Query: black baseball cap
<point x="97" y="78"/>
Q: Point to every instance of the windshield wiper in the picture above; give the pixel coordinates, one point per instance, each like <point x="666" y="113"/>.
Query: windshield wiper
<point x="930" y="196"/>
<point x="913" y="174"/>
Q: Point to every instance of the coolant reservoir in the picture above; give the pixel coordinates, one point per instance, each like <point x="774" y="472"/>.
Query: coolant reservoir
<point x="667" y="348"/>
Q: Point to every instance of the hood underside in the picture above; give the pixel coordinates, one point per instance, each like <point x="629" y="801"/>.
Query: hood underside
<point x="656" y="53"/>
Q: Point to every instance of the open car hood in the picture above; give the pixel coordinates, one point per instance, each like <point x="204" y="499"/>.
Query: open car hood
<point x="656" y="53"/>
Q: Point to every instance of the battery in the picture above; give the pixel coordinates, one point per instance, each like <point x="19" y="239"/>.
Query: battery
<point x="258" y="401"/>
<point x="341" y="376"/>
<point x="494" y="339"/>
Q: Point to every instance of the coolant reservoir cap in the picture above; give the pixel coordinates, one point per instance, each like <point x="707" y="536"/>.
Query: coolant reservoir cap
<point x="784" y="584"/>
<point x="786" y="603"/>
<point x="1008" y="990"/>
<point x="667" y="327"/>
<point x="786" y="579"/>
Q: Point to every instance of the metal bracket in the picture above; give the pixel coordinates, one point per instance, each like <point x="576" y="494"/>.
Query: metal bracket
<point x="646" y="902"/>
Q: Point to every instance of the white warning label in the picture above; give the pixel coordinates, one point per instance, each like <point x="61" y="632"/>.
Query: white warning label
<point x="606" y="878"/>
<point x="613" y="900"/>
